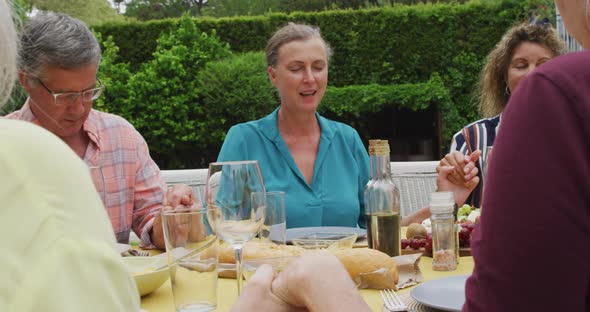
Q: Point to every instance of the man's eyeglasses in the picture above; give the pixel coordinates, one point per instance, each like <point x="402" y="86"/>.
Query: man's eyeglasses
<point x="70" y="97"/>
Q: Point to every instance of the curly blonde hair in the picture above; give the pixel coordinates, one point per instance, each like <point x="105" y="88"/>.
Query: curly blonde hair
<point x="492" y="83"/>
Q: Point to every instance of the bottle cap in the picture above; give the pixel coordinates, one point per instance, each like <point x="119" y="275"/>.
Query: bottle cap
<point x="442" y="202"/>
<point x="379" y="147"/>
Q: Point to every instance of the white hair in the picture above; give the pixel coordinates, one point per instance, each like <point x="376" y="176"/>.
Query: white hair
<point x="8" y="51"/>
<point x="55" y="39"/>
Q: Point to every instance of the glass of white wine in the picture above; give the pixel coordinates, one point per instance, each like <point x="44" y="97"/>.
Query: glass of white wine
<point x="232" y="213"/>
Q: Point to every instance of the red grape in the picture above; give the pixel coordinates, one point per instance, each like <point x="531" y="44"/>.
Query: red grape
<point x="415" y="243"/>
<point x="465" y="234"/>
<point x="422" y="242"/>
<point x="405" y="243"/>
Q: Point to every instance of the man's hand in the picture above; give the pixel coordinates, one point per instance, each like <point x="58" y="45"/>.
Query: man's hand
<point x="318" y="282"/>
<point x="257" y="295"/>
<point x="469" y="174"/>
<point x="178" y="197"/>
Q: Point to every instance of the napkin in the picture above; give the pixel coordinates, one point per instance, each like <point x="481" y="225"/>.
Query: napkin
<point x="409" y="272"/>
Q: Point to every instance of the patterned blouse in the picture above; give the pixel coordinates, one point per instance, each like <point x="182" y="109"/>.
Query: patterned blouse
<point x="480" y="135"/>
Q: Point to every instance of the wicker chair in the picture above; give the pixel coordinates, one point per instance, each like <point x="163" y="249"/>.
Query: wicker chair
<point x="415" y="180"/>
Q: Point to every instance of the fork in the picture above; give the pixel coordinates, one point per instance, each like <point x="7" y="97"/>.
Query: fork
<point x="392" y="301"/>
<point x="135" y="253"/>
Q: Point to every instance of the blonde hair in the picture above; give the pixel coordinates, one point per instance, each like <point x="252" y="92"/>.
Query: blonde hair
<point x="288" y="33"/>
<point x="492" y="89"/>
<point x="8" y="51"/>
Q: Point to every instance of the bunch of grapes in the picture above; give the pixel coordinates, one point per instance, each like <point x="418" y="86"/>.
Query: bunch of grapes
<point x="465" y="234"/>
<point x="418" y="242"/>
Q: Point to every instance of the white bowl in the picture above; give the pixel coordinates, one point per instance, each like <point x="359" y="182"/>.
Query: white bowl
<point x="328" y="241"/>
<point x="142" y="269"/>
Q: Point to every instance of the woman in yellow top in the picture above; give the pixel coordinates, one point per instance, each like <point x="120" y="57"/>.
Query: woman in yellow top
<point x="58" y="249"/>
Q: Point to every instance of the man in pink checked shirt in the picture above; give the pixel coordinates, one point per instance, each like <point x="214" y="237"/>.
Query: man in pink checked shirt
<point x="59" y="58"/>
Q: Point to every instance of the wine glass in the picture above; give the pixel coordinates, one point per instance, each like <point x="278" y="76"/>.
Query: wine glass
<point x="98" y="180"/>
<point x="232" y="213"/>
<point x="486" y="157"/>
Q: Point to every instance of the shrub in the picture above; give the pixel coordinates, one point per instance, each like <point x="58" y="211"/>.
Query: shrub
<point x="232" y="91"/>
<point x="162" y="99"/>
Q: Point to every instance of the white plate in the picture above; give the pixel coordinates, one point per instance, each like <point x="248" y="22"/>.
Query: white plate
<point x="300" y="232"/>
<point x="446" y="294"/>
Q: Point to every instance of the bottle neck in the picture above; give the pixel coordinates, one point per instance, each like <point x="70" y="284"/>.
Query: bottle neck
<point x="380" y="167"/>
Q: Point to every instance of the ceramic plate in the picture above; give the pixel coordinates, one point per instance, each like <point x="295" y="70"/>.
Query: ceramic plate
<point x="300" y="232"/>
<point x="446" y="294"/>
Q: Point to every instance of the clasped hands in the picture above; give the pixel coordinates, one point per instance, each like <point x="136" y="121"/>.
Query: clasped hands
<point x="179" y="197"/>
<point x="457" y="173"/>
<point x="313" y="282"/>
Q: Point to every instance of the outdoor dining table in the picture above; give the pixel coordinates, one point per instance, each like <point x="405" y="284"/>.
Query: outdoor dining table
<point x="161" y="299"/>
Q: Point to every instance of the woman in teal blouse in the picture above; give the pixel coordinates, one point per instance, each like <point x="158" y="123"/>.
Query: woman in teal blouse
<point x="321" y="165"/>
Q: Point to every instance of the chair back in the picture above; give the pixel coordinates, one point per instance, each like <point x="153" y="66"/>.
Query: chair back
<point x="415" y="180"/>
<point x="197" y="176"/>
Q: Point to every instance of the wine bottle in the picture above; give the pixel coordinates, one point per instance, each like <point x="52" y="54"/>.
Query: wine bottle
<point x="382" y="202"/>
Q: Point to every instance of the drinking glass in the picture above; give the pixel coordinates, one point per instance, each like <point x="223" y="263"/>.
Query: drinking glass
<point x="487" y="158"/>
<point x="99" y="183"/>
<point x="198" y="189"/>
<point x="231" y="212"/>
<point x="275" y="227"/>
<point x="192" y="260"/>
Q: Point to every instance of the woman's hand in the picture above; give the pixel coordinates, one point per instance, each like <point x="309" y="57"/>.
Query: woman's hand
<point x="463" y="166"/>
<point x="179" y="196"/>
<point x="462" y="190"/>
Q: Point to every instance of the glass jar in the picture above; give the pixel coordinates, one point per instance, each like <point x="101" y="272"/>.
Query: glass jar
<point x="444" y="231"/>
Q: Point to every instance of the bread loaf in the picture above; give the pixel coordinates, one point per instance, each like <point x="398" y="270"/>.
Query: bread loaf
<point x="252" y="250"/>
<point x="369" y="268"/>
<point x="257" y="250"/>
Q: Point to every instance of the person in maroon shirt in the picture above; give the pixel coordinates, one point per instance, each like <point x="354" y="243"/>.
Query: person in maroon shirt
<point x="531" y="248"/>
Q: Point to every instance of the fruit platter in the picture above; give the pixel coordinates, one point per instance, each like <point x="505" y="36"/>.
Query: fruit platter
<point x="467" y="218"/>
<point x="419" y="236"/>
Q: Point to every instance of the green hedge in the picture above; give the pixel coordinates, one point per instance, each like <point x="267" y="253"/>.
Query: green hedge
<point x="384" y="45"/>
<point x="404" y="57"/>
<point x="189" y="133"/>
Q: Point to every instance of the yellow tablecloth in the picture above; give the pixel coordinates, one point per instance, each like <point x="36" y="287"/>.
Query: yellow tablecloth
<point x="161" y="299"/>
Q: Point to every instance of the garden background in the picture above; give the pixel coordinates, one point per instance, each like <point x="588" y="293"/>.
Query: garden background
<point x="401" y="72"/>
